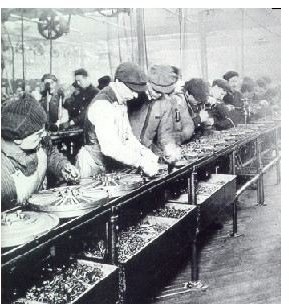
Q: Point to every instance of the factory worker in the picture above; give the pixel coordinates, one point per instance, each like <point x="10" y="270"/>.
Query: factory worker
<point x="196" y="93"/>
<point x="219" y="111"/>
<point x="183" y="126"/>
<point x="52" y="98"/>
<point x="25" y="156"/>
<point x="109" y="140"/>
<point x="151" y="116"/>
<point x="79" y="100"/>
<point x="103" y="82"/>
<point x="234" y="99"/>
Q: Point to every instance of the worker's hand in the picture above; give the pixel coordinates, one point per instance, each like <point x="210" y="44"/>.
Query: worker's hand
<point x="172" y="153"/>
<point x="64" y="125"/>
<point x="230" y="107"/>
<point x="209" y="122"/>
<point x="123" y="93"/>
<point x="264" y="103"/>
<point x="70" y="173"/>
<point x="149" y="168"/>
<point x="204" y="115"/>
<point x="153" y="95"/>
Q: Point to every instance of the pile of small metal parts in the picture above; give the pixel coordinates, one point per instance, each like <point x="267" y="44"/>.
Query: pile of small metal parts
<point x="169" y="212"/>
<point x="220" y="182"/>
<point x="238" y="131"/>
<point x="212" y="143"/>
<point x="196" y="150"/>
<point x="133" y="239"/>
<point x="207" y="189"/>
<point x="63" y="285"/>
<point x="96" y="250"/>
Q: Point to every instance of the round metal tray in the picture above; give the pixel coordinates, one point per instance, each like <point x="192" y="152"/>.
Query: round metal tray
<point x="19" y="227"/>
<point x="116" y="184"/>
<point x="69" y="201"/>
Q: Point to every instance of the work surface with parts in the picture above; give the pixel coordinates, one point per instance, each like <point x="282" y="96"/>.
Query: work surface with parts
<point x="106" y="203"/>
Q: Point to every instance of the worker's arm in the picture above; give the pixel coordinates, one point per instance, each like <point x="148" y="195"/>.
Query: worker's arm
<point x="222" y="118"/>
<point x="8" y="188"/>
<point x="187" y="122"/>
<point x="101" y="115"/>
<point x="130" y="151"/>
<point x="166" y="127"/>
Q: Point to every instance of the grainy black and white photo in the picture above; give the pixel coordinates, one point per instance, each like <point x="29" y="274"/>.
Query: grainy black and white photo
<point x="140" y="155"/>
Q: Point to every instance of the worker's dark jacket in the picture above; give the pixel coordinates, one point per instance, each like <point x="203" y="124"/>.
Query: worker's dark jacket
<point x="221" y="116"/>
<point x="235" y="98"/>
<point x="199" y="127"/>
<point x="23" y="172"/>
<point x="77" y="104"/>
<point x="53" y="105"/>
<point x="152" y="123"/>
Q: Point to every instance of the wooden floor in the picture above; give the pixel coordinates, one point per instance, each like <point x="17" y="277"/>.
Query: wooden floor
<point x="246" y="269"/>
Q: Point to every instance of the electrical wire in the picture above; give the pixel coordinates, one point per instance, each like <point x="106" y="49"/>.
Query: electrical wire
<point x="260" y="24"/>
<point x="145" y="41"/>
<point x="192" y="22"/>
<point x="131" y="34"/>
<point x="126" y="35"/>
<point x="118" y="40"/>
<point x="180" y="24"/>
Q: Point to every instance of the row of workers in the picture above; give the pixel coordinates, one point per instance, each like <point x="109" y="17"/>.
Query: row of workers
<point x="135" y="121"/>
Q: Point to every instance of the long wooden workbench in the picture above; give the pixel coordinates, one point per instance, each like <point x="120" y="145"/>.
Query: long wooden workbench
<point x="110" y="213"/>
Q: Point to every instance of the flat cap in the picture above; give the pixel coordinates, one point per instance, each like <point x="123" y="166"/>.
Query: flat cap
<point x="163" y="78"/>
<point x="49" y="76"/>
<point x="132" y="76"/>
<point x="230" y="74"/>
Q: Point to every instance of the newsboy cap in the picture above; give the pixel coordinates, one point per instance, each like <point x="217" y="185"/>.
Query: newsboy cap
<point x="163" y="78"/>
<point x="132" y="76"/>
<point x="21" y="117"/>
<point x="81" y="71"/>
<point x="48" y="76"/>
<point x="221" y="84"/>
<point x="230" y="74"/>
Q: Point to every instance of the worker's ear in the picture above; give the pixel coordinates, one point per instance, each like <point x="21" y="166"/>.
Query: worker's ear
<point x="18" y="142"/>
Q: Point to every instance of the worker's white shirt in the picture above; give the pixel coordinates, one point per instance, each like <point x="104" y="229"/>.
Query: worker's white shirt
<point x="115" y="135"/>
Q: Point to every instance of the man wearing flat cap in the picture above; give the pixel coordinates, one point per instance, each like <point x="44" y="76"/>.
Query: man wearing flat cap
<point x="234" y="99"/>
<point x="78" y="102"/>
<point x="152" y="117"/>
<point x="183" y="124"/>
<point x="52" y="101"/>
<point x="109" y="141"/>
<point x="25" y="154"/>
<point x="219" y="111"/>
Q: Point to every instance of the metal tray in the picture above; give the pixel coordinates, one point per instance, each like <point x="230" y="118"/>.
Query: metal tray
<point x="147" y="269"/>
<point x="116" y="184"/>
<point x="102" y="291"/>
<point x="212" y="205"/>
<point x="19" y="227"/>
<point x="70" y="201"/>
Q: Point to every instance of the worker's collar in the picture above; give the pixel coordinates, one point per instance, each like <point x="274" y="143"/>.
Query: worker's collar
<point x="122" y="92"/>
<point x="27" y="162"/>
